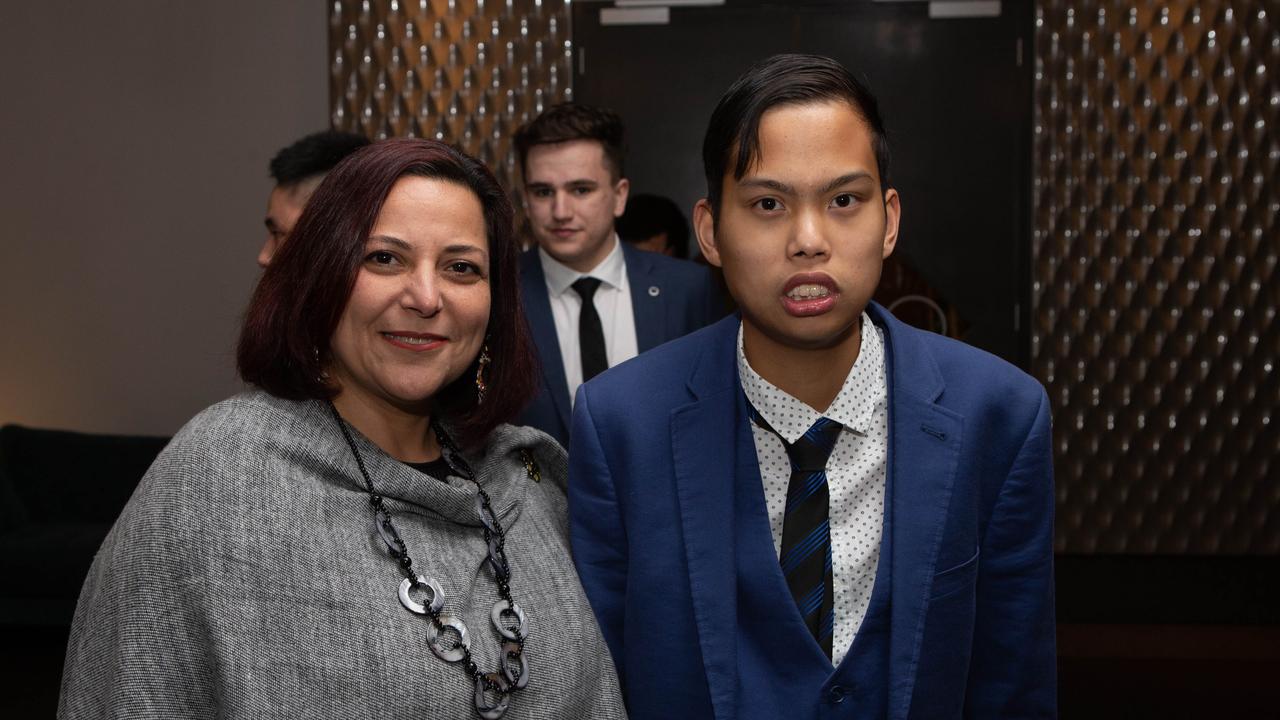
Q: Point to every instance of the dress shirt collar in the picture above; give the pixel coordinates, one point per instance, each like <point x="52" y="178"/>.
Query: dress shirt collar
<point x="560" y="277"/>
<point x="854" y="406"/>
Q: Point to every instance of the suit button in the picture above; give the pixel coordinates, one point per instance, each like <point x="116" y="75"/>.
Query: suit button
<point x="836" y="694"/>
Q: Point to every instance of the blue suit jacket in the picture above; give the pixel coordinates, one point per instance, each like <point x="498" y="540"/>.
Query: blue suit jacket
<point x="671" y="539"/>
<point x="669" y="298"/>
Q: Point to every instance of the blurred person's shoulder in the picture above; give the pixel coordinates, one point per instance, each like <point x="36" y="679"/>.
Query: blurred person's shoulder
<point x="675" y="268"/>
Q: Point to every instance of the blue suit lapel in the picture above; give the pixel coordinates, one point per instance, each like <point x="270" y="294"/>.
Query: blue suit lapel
<point x="648" y="301"/>
<point x="537" y="310"/>
<point x="924" y="448"/>
<point x="707" y="451"/>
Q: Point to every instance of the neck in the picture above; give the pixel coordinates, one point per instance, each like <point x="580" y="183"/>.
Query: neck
<point x="404" y="435"/>
<point x="587" y="264"/>
<point x="813" y="376"/>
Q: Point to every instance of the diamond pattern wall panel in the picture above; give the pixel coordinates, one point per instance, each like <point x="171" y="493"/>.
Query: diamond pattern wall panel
<point x="465" y="71"/>
<point x="1155" y="287"/>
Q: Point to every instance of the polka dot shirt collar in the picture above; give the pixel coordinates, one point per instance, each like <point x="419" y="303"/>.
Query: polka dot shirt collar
<point x="854" y="406"/>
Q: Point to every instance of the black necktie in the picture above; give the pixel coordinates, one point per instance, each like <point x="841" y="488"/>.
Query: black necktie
<point x="806" y="530"/>
<point x="590" y="331"/>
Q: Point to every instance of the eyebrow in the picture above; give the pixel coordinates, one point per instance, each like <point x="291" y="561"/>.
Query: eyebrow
<point x="845" y="180"/>
<point x="392" y="241"/>
<point x="570" y="183"/>
<point x="457" y="248"/>
<point x="465" y="249"/>
<point x="784" y="188"/>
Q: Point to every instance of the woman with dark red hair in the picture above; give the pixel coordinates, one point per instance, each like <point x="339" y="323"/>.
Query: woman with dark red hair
<point x="362" y="535"/>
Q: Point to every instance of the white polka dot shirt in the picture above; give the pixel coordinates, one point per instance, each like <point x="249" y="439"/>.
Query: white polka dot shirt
<point x="855" y="471"/>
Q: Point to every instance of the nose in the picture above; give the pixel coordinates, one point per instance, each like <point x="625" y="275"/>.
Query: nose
<point x="808" y="237"/>
<point x="269" y="248"/>
<point x="422" y="293"/>
<point x="560" y="206"/>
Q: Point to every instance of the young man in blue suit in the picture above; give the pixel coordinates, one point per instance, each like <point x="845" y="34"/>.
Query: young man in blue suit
<point x="591" y="301"/>
<point x="813" y="510"/>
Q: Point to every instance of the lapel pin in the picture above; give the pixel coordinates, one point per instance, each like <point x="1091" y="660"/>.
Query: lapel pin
<point x="654" y="291"/>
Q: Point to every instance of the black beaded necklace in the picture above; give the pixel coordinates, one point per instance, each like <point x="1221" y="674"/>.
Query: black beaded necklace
<point x="513" y="666"/>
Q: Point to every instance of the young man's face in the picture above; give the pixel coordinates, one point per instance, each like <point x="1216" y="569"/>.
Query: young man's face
<point x="803" y="235"/>
<point x="572" y="200"/>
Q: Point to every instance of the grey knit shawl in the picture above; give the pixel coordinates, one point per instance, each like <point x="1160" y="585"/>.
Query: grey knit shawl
<point x="245" y="579"/>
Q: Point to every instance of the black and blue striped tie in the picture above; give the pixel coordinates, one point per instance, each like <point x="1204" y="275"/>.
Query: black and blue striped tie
<point x="806" y="530"/>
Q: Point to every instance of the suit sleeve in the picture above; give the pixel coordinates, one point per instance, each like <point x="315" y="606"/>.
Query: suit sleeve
<point x="1013" y="672"/>
<point x="596" y="531"/>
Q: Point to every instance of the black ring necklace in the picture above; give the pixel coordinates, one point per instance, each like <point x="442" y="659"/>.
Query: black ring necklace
<point x="506" y="616"/>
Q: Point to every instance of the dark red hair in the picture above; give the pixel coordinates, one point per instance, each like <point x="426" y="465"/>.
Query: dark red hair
<point x="303" y="293"/>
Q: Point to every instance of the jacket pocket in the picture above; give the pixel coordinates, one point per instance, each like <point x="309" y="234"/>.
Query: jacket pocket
<point x="955" y="578"/>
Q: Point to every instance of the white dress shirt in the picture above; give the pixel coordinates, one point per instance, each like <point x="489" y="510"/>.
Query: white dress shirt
<point x="855" y="472"/>
<point x="613" y="304"/>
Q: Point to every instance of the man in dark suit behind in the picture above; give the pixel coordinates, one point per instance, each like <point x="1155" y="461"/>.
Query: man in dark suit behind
<point x="813" y="510"/>
<point x="591" y="301"/>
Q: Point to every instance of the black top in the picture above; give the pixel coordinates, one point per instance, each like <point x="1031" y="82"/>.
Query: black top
<point x="438" y="468"/>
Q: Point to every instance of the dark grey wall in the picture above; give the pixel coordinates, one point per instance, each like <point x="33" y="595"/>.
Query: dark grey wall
<point x="132" y="187"/>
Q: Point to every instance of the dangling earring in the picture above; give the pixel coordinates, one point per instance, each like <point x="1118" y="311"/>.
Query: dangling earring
<point x="323" y="376"/>
<point x="481" y="365"/>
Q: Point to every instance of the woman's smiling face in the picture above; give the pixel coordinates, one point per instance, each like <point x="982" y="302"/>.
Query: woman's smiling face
<point x="419" y="310"/>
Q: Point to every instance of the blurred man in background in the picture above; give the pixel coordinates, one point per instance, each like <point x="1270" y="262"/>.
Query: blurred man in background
<point x="298" y="170"/>
<point x="591" y="301"/>
<point x="655" y="223"/>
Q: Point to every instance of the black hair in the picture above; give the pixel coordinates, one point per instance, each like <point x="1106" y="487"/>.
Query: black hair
<point x="733" y="132"/>
<point x="571" y="121"/>
<point x="315" y="154"/>
<point x="647" y="215"/>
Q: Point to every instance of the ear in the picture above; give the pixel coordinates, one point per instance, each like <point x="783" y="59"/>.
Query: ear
<point x="704" y="226"/>
<point x="892" y="213"/>
<point x="620" y="191"/>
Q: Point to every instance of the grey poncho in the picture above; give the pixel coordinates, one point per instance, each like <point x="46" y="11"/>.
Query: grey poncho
<point x="245" y="579"/>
